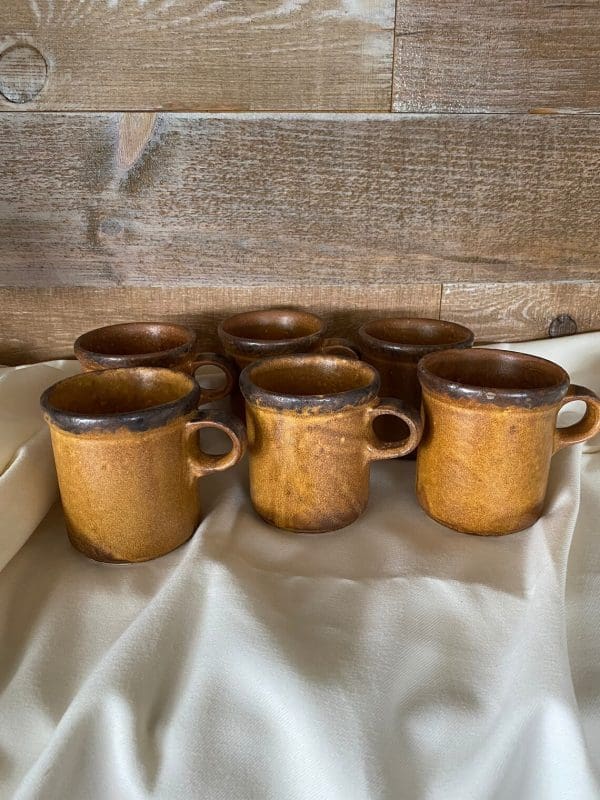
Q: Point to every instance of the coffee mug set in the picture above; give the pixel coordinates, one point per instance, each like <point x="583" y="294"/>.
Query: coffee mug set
<point x="125" y="431"/>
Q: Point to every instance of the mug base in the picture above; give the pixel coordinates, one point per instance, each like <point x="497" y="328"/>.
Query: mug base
<point x="309" y="531"/>
<point x="102" y="557"/>
<point x="495" y="534"/>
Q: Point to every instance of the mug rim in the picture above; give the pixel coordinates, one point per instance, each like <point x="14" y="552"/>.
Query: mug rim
<point x="524" y="397"/>
<point x="143" y="419"/>
<point x="113" y="359"/>
<point x="386" y="346"/>
<point x="267" y="398"/>
<point x="251" y="345"/>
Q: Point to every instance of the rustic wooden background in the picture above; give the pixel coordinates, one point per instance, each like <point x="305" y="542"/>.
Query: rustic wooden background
<point x="182" y="159"/>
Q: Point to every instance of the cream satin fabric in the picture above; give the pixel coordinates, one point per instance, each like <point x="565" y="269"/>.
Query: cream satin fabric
<point x="392" y="660"/>
<point x="27" y="478"/>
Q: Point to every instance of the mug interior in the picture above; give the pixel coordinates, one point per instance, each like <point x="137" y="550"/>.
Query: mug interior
<point x="135" y="339"/>
<point x="308" y="377"/>
<point x="496" y="371"/>
<point x="272" y="325"/>
<point x="418" y="332"/>
<point x="117" y="391"/>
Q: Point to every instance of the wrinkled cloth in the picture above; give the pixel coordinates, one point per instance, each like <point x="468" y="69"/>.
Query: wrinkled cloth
<point x="393" y="659"/>
<point x="27" y="477"/>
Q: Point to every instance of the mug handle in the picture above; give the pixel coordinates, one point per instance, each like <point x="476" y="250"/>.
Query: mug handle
<point x="338" y="346"/>
<point x="202" y="463"/>
<point x="587" y="427"/>
<point x="378" y="449"/>
<point x="225" y="365"/>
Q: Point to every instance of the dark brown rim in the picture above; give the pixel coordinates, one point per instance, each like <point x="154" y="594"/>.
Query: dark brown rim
<point x="114" y="359"/>
<point x="245" y="345"/>
<point x="143" y="420"/>
<point x="323" y="402"/>
<point x="526" y="398"/>
<point x="377" y="344"/>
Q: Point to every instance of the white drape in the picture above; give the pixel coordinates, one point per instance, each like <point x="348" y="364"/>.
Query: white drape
<point x="394" y="659"/>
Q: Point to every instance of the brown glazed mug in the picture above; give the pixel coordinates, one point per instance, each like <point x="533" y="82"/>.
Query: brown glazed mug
<point x="252" y="335"/>
<point x="395" y="346"/>
<point x="151" y="344"/>
<point x="127" y="455"/>
<point x="490" y="433"/>
<point x="311" y="440"/>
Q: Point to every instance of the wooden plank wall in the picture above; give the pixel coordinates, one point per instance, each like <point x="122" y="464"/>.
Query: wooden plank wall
<point x="182" y="159"/>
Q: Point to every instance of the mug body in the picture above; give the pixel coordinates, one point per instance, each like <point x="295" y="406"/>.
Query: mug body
<point x="490" y="418"/>
<point x="118" y="438"/>
<point x="306" y="419"/>
<point x="395" y="346"/>
<point x="311" y="438"/>
<point x="137" y="344"/>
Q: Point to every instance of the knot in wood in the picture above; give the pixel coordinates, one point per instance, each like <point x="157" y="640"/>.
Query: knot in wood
<point x="563" y="325"/>
<point x="23" y="73"/>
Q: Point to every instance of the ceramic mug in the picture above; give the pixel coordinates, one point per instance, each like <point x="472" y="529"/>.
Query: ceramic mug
<point x="394" y="347"/>
<point x="251" y="335"/>
<point x="151" y="344"/>
<point x="126" y="449"/>
<point x="490" y="433"/>
<point x="311" y="440"/>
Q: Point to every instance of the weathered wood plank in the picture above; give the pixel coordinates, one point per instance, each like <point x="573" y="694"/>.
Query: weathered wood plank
<point x="38" y="324"/>
<point x="198" y="55"/>
<point x="289" y="199"/>
<point x="512" y="312"/>
<point x="515" y="55"/>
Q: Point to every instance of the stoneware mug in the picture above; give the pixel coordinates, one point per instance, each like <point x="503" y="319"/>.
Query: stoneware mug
<point x="490" y="433"/>
<point x="251" y="335"/>
<point x="151" y="344"/>
<point x="311" y="440"/>
<point x="394" y="347"/>
<point x="127" y="455"/>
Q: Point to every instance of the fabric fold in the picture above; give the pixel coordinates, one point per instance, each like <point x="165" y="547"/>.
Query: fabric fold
<point x="27" y="477"/>
<point x="393" y="659"/>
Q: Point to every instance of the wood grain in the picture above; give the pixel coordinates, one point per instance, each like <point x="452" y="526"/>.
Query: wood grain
<point x="229" y="200"/>
<point x="515" y="55"/>
<point x="38" y="324"/>
<point x="511" y="312"/>
<point x="206" y="54"/>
